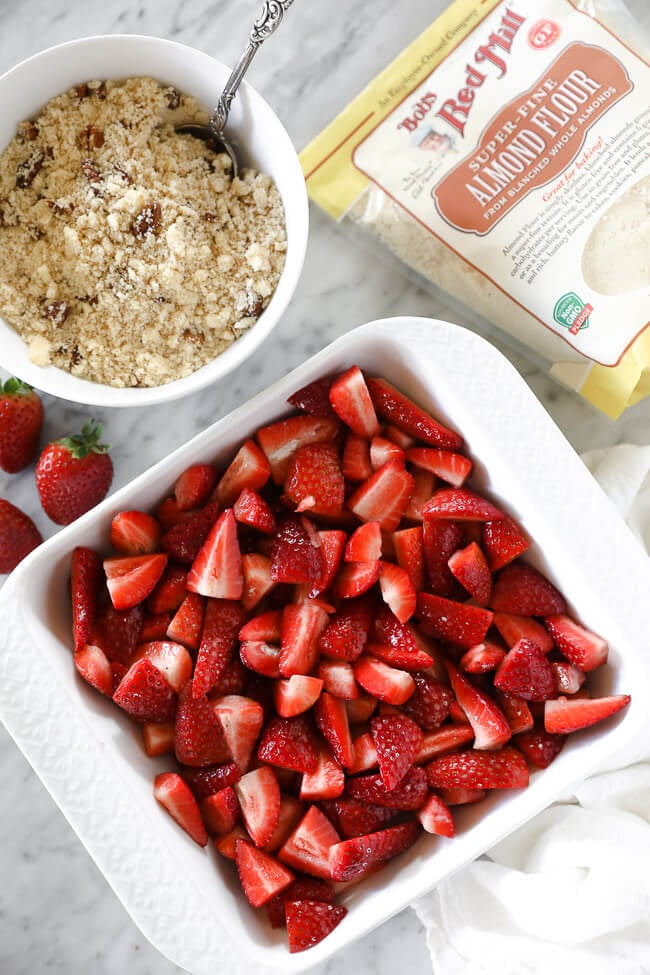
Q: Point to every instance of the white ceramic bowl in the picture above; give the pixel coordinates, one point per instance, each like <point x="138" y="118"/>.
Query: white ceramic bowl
<point x="253" y="125"/>
<point x="187" y="901"/>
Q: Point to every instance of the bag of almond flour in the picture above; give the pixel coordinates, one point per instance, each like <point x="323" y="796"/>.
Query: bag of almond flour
<point x="505" y="158"/>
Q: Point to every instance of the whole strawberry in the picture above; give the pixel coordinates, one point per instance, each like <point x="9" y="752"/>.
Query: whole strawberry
<point x="18" y="536"/>
<point x="74" y="474"/>
<point x="21" y="422"/>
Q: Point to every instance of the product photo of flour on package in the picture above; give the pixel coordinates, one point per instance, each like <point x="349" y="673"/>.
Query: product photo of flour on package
<point x="504" y="157"/>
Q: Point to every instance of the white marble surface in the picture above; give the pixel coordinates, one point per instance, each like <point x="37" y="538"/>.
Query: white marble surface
<point x="56" y="912"/>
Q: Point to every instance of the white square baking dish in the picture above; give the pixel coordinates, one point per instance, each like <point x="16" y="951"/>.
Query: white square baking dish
<point x="187" y="901"/>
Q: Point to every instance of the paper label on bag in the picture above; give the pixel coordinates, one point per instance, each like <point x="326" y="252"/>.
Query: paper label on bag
<point x="527" y="152"/>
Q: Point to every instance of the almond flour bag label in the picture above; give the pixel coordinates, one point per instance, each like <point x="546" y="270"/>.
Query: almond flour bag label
<point x="505" y="156"/>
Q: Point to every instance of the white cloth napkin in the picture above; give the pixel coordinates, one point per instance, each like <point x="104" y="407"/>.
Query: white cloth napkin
<point x="569" y="892"/>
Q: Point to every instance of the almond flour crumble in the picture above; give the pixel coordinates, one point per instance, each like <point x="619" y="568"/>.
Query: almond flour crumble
<point x="127" y="254"/>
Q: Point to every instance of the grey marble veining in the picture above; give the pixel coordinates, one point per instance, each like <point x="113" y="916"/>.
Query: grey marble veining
<point x="56" y="912"/>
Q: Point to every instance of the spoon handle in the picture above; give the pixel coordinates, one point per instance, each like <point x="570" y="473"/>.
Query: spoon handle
<point x="267" y="22"/>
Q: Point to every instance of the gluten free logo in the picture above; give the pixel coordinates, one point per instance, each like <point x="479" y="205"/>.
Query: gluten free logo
<point x="572" y="313"/>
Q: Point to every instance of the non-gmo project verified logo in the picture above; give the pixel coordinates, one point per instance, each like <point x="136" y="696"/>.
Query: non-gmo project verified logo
<point x="572" y="313"/>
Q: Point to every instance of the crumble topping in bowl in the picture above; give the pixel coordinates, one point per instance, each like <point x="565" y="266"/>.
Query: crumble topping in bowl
<point x="127" y="255"/>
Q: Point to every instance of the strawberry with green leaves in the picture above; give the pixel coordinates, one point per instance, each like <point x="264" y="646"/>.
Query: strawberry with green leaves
<point x="74" y="474"/>
<point x="21" y="422"/>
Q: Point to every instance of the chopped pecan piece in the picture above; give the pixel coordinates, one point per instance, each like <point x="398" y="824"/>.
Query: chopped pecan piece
<point x="57" y="312"/>
<point x="81" y="90"/>
<point x="173" y="97"/>
<point x="28" y="169"/>
<point x="28" y="131"/>
<point x="147" y="221"/>
<point x="91" y="137"/>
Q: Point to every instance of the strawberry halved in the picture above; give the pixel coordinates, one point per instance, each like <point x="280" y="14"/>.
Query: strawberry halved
<point x="222" y="622"/>
<point x="440" y="539"/>
<point x="296" y="552"/>
<point x="504" y="769"/>
<point x="489" y="724"/>
<point x="290" y="743"/>
<point x="303" y="888"/>
<point x="457" y="622"/>
<point x="460" y="504"/>
<point x="355" y="462"/>
<point x="397" y="591"/>
<point x="521" y="589"/>
<point x="446" y="464"/>
<point x="145" y="694"/>
<point x="327" y="781"/>
<point x="514" y="628"/>
<point x="429" y="704"/>
<point x="183" y="541"/>
<point x="351" y="402"/>
<point x="403" y="413"/>
<point x="130" y="579"/>
<point x="384" y="496"/>
<point x="502" y="541"/>
<point x="580" y="646"/>
<point x="279" y="441"/>
<point x="309" y="921"/>
<point x="331" y="716"/>
<point x="241" y="720"/>
<point x="194" y="486"/>
<point x="526" y="672"/>
<point x="351" y="817"/>
<point x="354" y="858"/>
<point x="248" y="469"/>
<point x="95" y="668"/>
<point x="135" y="533"/>
<point x="410" y="794"/>
<point x="315" y="480"/>
<point x="436" y="817"/>
<point x="172" y="660"/>
<point x="563" y="715"/>
<point x="470" y="567"/>
<point x="221" y="811"/>
<point x="217" y="569"/>
<point x="384" y="683"/>
<point x="251" y="509"/>
<point x="398" y="740"/>
<point x="296" y="695"/>
<point x="258" y="793"/>
<point x="313" y="398"/>
<point x="85" y="583"/>
<point x="176" y="797"/>
<point x="308" y="847"/>
<point x="262" y="876"/>
<point x="364" y="544"/>
<point x="447" y="739"/>
<point x="199" y="738"/>
<point x="300" y="629"/>
<point x="346" y="633"/>
<point x="187" y="623"/>
<point x="355" y="578"/>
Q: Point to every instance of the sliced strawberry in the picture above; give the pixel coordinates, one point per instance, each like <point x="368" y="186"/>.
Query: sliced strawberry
<point x="461" y="797"/>
<point x="296" y="695"/>
<point x="489" y="724"/>
<point x="429" y="704"/>
<point x="221" y="811"/>
<point x="346" y="633"/>
<point x="310" y="921"/>
<point x="176" y="797"/>
<point x="289" y="743"/>
<point x="155" y="627"/>
<point x="258" y="579"/>
<point x="262" y="876"/>
<point x="409" y="552"/>
<point x="351" y="402"/>
<point x="315" y="480"/>
<point x="423" y="487"/>
<point x="514" y="628"/>
<point x="539" y="747"/>
<point x="410" y="794"/>
<point x="86" y="579"/>
<point x="580" y="646"/>
<point x="308" y="847"/>
<point x="383" y="450"/>
<point x="526" y="672"/>
<point x="447" y="739"/>
<point x="131" y="578"/>
<point x="172" y="660"/>
<point x="296" y="554"/>
<point x="470" y="567"/>
<point x="397" y="591"/>
<point x="403" y="659"/>
<point x="221" y="625"/>
<point x="440" y="539"/>
<point x="266" y="626"/>
<point x="251" y="509"/>
<point x="199" y="738"/>
<point x="248" y="469"/>
<point x="505" y="769"/>
<point x="145" y="694"/>
<point x="337" y="678"/>
<point x="226" y="845"/>
<point x="157" y="738"/>
<point x="354" y="858"/>
<point x="356" y="578"/>
<point x="355" y="462"/>
<point x="482" y="658"/>
<point x="403" y="413"/>
<point x="383" y="682"/>
<point x="232" y="681"/>
<point x="521" y="589"/>
<point x="563" y="715"/>
<point x="364" y="545"/>
<point x="354" y="818"/>
<point x="303" y="888"/>
<point x="261" y="657"/>
<point x="95" y="668"/>
<point x="459" y="623"/>
<point x="217" y="569"/>
<point x="135" y="533"/>
<point x="117" y="632"/>
<point x="291" y="812"/>
<point x="313" y="398"/>
<point x="365" y="756"/>
<point x="331" y="718"/>
<point x="516" y="711"/>
<point x="502" y="541"/>
<point x="461" y="504"/>
<point x="327" y="781"/>
<point x="397" y="740"/>
<point x="258" y="793"/>
<point x="194" y="486"/>
<point x="332" y="544"/>
<point x="205" y="782"/>
<point x="187" y="623"/>
<point x="170" y="591"/>
<point x="435" y="817"/>
<point x="241" y="721"/>
<point x="568" y="677"/>
<point x="448" y="466"/>
<point x="301" y="627"/>
<point x="279" y="441"/>
<point x="384" y="496"/>
<point x="184" y="541"/>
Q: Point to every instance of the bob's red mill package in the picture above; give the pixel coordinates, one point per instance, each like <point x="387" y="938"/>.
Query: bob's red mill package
<point x="505" y="157"/>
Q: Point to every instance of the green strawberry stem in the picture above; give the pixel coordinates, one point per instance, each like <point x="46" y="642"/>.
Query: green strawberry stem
<point x="15" y="385"/>
<point x="86" y="442"/>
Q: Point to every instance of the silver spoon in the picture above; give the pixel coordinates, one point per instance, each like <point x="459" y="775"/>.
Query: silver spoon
<point x="214" y="133"/>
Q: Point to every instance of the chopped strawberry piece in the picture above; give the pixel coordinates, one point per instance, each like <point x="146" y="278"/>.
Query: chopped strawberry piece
<point x="221" y="811"/>
<point x="365" y="756"/>
<point x="172" y="660"/>
<point x="409" y="552"/>
<point x="252" y="510"/>
<point x="155" y="627"/>
<point x="383" y="450"/>
<point x="248" y="469"/>
<point x="221" y="625"/>
<point x="568" y="677"/>
<point x="145" y="694"/>
<point x="241" y="721"/>
<point x="516" y="711"/>
<point x="364" y="545"/>
<point x="446" y="739"/>
<point x="337" y="678"/>
<point x="296" y="695"/>
<point x="131" y="578"/>
<point x="460" y="504"/>
<point x="332" y="544"/>
<point x="383" y="682"/>
<point x="502" y="541"/>
<point x="85" y="583"/>
<point x="314" y="398"/>
<point x="308" y="847"/>
<point x="187" y="623"/>
<point x="489" y="724"/>
<point x="346" y="633"/>
<point x="279" y="441"/>
<point x="227" y="844"/>
<point x="170" y="591"/>
<point x="384" y="496"/>
<point x="157" y="738"/>
<point x="310" y="921"/>
<point x="205" y="782"/>
<point x="331" y="718"/>
<point x="315" y="480"/>
<point x="440" y="539"/>
<point x="300" y="629"/>
<point x="261" y="657"/>
<point x="258" y="793"/>
<point x="580" y="646"/>
<point x="355" y="578"/>
<point x="521" y="589"/>
<point x="327" y="781"/>
<point x="429" y="704"/>
<point x="289" y="743"/>
<point x="184" y="541"/>
<point x="261" y="876"/>
<point x="117" y="632"/>
<point x="266" y="626"/>
<point x="397" y="591"/>
<point x="352" y="859"/>
<point x="291" y="812"/>
<point x="199" y="738"/>
<point x="526" y="672"/>
<point x="448" y="466"/>
<point x="397" y="740"/>
<point x="134" y="533"/>
<point x="217" y="569"/>
<point x="296" y="554"/>
<point x="470" y="567"/>
<point x="404" y="659"/>
<point x="403" y="413"/>
<point x="361" y="708"/>
<point x="435" y="817"/>
<point x="351" y="402"/>
<point x="423" y="487"/>
<point x="303" y="888"/>
<point x="539" y="747"/>
<point x="504" y="769"/>
<point x="95" y="668"/>
<point x="351" y="817"/>
<point x="564" y="715"/>
<point x="482" y="658"/>
<point x="258" y="579"/>
<point x="194" y="486"/>
<point x="461" y="797"/>
<point x="168" y="515"/>
<point x="410" y="794"/>
<point x="457" y="622"/>
<point x="175" y="796"/>
<point x="355" y="462"/>
<point x="514" y="628"/>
